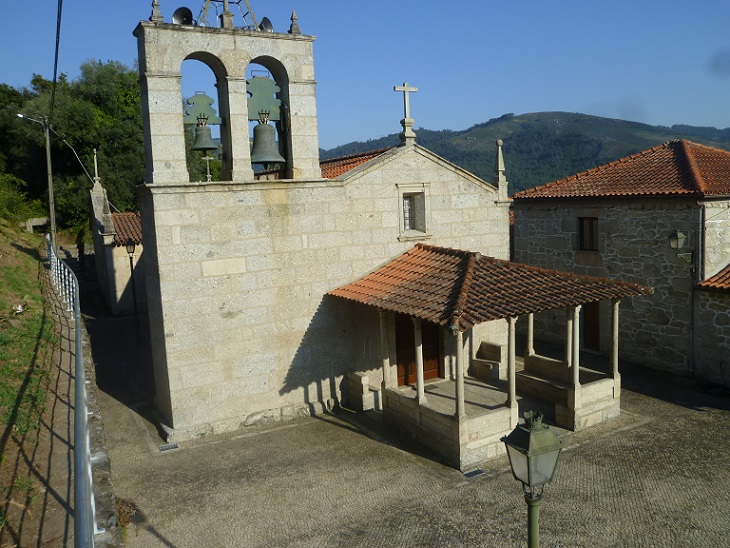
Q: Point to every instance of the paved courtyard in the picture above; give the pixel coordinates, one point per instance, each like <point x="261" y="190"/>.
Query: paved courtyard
<point x="657" y="476"/>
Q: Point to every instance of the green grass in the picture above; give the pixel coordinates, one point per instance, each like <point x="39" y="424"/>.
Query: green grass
<point x="24" y="337"/>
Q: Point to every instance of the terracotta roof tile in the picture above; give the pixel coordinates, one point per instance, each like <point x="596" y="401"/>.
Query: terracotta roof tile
<point x="127" y="226"/>
<point x="453" y="287"/>
<point x="676" y="168"/>
<point x="335" y="167"/>
<point x="718" y="282"/>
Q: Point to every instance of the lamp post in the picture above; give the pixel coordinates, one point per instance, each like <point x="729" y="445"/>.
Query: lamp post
<point x="51" y="204"/>
<point x="533" y="451"/>
<point x="130" y="251"/>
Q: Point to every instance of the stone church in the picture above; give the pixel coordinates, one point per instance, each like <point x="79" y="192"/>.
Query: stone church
<point x="250" y="280"/>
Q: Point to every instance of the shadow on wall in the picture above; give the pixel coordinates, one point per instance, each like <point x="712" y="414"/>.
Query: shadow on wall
<point x="341" y="337"/>
<point x="122" y="356"/>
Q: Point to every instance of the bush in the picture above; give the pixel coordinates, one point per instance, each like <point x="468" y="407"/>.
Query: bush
<point x="14" y="204"/>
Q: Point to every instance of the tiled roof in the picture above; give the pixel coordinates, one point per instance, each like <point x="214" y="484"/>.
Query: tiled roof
<point x="127" y="226"/>
<point x="449" y="286"/>
<point x="333" y="168"/>
<point x="718" y="282"/>
<point x="676" y="168"/>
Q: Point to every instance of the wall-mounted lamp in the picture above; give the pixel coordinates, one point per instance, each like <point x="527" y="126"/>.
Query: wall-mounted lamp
<point x="677" y="241"/>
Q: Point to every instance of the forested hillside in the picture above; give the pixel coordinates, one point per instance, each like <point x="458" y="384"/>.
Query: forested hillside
<point x="100" y="110"/>
<point x="543" y="146"/>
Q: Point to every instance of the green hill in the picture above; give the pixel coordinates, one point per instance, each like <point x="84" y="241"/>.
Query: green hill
<point x="543" y="146"/>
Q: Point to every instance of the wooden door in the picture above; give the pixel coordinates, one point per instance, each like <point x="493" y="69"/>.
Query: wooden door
<point x="405" y="345"/>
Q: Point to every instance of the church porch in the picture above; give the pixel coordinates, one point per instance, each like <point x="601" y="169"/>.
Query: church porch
<point x="463" y="415"/>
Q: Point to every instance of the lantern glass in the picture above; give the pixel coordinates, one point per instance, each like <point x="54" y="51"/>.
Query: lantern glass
<point x="519" y="463"/>
<point x="130" y="246"/>
<point x="677" y="240"/>
<point x="533" y="451"/>
<point x="543" y="467"/>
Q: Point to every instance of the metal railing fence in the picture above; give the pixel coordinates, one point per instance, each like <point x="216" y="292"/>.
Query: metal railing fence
<point x="67" y="286"/>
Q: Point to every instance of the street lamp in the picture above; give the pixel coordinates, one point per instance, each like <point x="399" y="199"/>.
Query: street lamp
<point x="533" y="451"/>
<point x="51" y="204"/>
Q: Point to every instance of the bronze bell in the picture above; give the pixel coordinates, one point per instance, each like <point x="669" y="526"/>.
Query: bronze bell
<point x="203" y="139"/>
<point x="265" y="149"/>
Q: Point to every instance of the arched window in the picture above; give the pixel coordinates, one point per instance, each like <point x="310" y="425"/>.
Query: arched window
<point x="205" y="104"/>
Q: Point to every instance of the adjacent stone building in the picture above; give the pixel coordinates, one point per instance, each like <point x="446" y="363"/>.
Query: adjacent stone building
<point x="660" y="218"/>
<point x="111" y="233"/>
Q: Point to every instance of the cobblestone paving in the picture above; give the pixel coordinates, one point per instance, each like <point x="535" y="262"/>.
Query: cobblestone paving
<point x="657" y="476"/>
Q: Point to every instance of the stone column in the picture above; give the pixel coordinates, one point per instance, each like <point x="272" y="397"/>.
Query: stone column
<point x="235" y="132"/>
<point x="460" y="408"/>
<point x="511" y="376"/>
<point x="576" y="346"/>
<point x="512" y="394"/>
<point x="568" y="337"/>
<point x="614" y="349"/>
<point x="419" y="360"/>
<point x="574" y="398"/>
<point x="384" y="349"/>
<point x="530" y="334"/>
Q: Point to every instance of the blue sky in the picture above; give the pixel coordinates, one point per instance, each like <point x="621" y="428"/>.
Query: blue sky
<point x="641" y="60"/>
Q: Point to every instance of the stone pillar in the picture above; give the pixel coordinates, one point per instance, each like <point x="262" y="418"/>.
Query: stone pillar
<point x="574" y="398"/>
<point x="568" y="337"/>
<point x="234" y="132"/>
<point x="576" y="346"/>
<point x="530" y="334"/>
<point x="614" y="350"/>
<point x="419" y="360"/>
<point x="512" y="393"/>
<point x="460" y="408"/>
<point x="511" y="374"/>
<point x="163" y="128"/>
<point x="384" y="349"/>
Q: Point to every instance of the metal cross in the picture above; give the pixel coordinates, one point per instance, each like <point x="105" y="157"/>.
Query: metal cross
<point x="406" y="89"/>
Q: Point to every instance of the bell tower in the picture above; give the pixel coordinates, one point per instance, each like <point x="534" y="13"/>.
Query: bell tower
<point x="287" y="133"/>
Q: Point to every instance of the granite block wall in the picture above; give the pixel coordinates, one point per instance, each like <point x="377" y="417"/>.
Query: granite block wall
<point x="240" y="272"/>
<point x="633" y="246"/>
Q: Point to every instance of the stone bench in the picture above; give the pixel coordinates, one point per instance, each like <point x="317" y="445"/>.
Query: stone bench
<point x="362" y="396"/>
<point x="487" y="364"/>
<point x="542" y="388"/>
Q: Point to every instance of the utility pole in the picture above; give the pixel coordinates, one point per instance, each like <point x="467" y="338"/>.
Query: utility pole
<point x="51" y="203"/>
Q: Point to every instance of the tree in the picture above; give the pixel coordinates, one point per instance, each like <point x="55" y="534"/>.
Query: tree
<point x="100" y="110"/>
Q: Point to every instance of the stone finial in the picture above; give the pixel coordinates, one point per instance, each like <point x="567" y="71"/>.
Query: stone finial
<point x="499" y="170"/>
<point x="97" y="179"/>
<point x="294" y="28"/>
<point x="407" y="136"/>
<point x="156" y="15"/>
<point x="499" y="163"/>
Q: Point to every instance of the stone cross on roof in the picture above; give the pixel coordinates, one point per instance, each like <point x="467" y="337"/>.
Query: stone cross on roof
<point x="408" y="136"/>
<point x="407" y="90"/>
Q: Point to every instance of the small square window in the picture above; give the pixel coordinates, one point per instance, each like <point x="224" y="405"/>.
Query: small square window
<point x="414" y="212"/>
<point x="588" y="233"/>
<point x="413" y="204"/>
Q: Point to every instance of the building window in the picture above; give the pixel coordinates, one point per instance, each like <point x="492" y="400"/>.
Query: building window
<point x="413" y="203"/>
<point x="414" y="212"/>
<point x="588" y="233"/>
